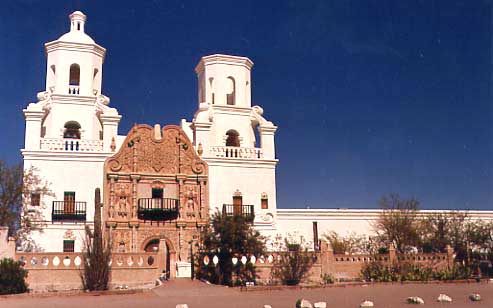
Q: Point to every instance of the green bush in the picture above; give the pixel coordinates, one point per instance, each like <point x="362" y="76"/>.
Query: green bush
<point x="327" y="278"/>
<point x="12" y="277"/>
<point x="379" y="272"/>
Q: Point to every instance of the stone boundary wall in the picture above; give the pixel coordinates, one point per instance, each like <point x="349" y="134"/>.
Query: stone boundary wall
<point x="62" y="271"/>
<point x="348" y="267"/>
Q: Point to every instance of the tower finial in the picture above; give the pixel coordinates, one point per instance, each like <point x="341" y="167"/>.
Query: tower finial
<point x="77" y="21"/>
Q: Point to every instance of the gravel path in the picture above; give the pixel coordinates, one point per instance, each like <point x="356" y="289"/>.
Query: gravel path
<point x="197" y="294"/>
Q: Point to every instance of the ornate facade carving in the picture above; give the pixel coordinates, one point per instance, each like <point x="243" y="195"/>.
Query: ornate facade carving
<point x="121" y="240"/>
<point x="158" y="170"/>
<point x="143" y="153"/>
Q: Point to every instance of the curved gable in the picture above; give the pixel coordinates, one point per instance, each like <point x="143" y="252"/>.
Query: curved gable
<point x="142" y="152"/>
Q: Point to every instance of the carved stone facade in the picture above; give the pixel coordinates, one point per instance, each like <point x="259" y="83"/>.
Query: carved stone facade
<point x="155" y="194"/>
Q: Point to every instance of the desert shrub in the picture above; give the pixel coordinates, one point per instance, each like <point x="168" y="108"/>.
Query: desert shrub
<point x="97" y="253"/>
<point x="380" y="272"/>
<point x="327" y="278"/>
<point x="12" y="277"/>
<point x="293" y="265"/>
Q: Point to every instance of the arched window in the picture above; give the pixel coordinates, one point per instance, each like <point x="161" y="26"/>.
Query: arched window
<point x="230" y="91"/>
<point x="233" y="138"/>
<point x="264" y="201"/>
<point x="74" y="75"/>
<point x="211" y="86"/>
<point x="72" y="130"/>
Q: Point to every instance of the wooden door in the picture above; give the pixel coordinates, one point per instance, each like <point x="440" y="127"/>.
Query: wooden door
<point x="69" y="202"/>
<point x="237" y="205"/>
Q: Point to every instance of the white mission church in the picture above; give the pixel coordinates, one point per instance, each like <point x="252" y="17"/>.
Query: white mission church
<point x="73" y="130"/>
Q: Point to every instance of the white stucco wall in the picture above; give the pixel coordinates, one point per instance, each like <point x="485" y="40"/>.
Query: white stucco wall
<point x="250" y="178"/>
<point x="299" y="222"/>
<point x="80" y="173"/>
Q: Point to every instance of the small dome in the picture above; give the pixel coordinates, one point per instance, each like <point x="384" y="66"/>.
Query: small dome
<point x="77" y="37"/>
<point x="77" y="34"/>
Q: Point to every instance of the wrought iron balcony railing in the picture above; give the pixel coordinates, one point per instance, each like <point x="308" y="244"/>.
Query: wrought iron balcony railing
<point x="158" y="209"/>
<point x="247" y="211"/>
<point x="68" y="211"/>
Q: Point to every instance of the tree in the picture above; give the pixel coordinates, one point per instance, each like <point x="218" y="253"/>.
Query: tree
<point x="17" y="187"/>
<point x="97" y="253"/>
<point x="293" y="264"/>
<point x="228" y="237"/>
<point x="349" y="244"/>
<point x="441" y="229"/>
<point x="31" y="217"/>
<point x="398" y="223"/>
<point x="10" y="195"/>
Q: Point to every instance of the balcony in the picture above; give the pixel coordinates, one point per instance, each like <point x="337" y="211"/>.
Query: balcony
<point x="71" y="145"/>
<point x="247" y="211"/>
<point x="158" y="209"/>
<point x="68" y="211"/>
<point x="236" y="152"/>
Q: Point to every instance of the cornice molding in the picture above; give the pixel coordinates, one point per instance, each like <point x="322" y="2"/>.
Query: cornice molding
<point x="80" y="47"/>
<point x="223" y="59"/>
<point x="243" y="162"/>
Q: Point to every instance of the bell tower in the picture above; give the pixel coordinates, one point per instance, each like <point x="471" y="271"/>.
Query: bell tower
<point x="72" y="106"/>
<point x="235" y="139"/>
<point x="224" y="80"/>
<point x="70" y="131"/>
<point x="75" y="61"/>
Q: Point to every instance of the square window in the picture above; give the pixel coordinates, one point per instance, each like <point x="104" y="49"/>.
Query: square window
<point x="68" y="245"/>
<point x="35" y="199"/>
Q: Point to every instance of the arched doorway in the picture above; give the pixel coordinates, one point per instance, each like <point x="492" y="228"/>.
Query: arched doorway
<point x="166" y="252"/>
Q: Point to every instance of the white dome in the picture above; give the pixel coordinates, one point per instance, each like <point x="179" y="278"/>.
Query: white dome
<point x="77" y="37"/>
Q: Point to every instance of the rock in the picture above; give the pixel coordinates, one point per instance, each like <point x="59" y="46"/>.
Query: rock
<point x="320" y="305"/>
<point x="443" y="298"/>
<point x="415" y="300"/>
<point x="366" y="304"/>
<point x="475" y="297"/>
<point x="303" y="303"/>
<point x="182" y="306"/>
<point x="158" y="282"/>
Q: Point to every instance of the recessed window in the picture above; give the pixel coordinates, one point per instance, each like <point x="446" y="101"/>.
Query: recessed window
<point x="231" y="93"/>
<point x="232" y="138"/>
<point x="157" y="193"/>
<point x="74" y="74"/>
<point x="72" y="130"/>
<point x="68" y="246"/>
<point x="35" y="199"/>
<point x="264" y="202"/>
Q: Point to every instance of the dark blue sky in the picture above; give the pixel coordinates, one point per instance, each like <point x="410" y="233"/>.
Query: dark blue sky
<point x="371" y="97"/>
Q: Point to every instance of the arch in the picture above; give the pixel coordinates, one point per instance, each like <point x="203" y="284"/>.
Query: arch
<point x="231" y="91"/>
<point x="74" y="77"/>
<point x="72" y="130"/>
<point x="211" y="86"/>
<point x="152" y="245"/>
<point x="150" y="239"/>
<point x="232" y="138"/>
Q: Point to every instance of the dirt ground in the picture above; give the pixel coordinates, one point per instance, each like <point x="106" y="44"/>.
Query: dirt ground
<point x="197" y="294"/>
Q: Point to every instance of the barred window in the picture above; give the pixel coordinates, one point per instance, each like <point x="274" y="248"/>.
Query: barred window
<point x="68" y="245"/>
